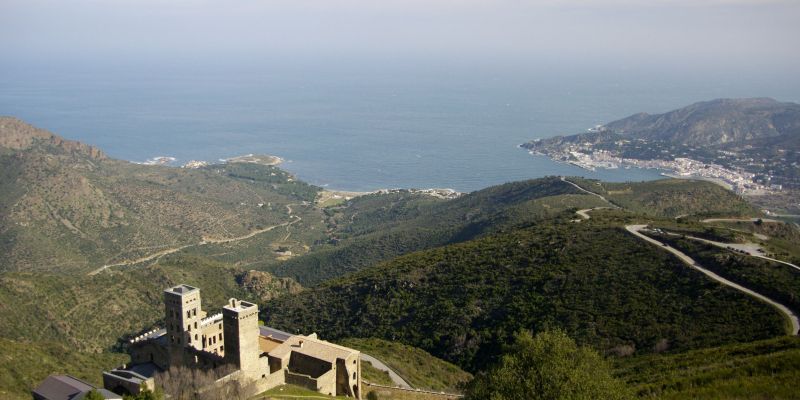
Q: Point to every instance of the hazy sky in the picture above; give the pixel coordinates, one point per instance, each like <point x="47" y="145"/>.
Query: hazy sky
<point x="702" y="34"/>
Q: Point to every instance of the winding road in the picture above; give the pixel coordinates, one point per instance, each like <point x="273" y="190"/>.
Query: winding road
<point x="379" y="365"/>
<point x="751" y="249"/>
<point x="795" y="323"/>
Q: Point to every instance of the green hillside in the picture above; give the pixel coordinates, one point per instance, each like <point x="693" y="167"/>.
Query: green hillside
<point x="766" y="369"/>
<point x="376" y="228"/>
<point x="420" y="369"/>
<point x="417" y="275"/>
<point x="462" y="302"/>
<point x="23" y="365"/>
<point x="671" y="197"/>
<point x="64" y="207"/>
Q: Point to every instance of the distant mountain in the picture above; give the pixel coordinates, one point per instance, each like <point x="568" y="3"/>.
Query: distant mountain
<point x="721" y="122"/>
<point x="755" y="141"/>
<point x="17" y="135"/>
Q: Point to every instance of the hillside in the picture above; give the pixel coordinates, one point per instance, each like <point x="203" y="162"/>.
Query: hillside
<point x="749" y="145"/>
<point x="462" y="302"/>
<point x="453" y="278"/>
<point x="75" y="324"/>
<point x="721" y="122"/>
<point x="418" y="367"/>
<point x="376" y="228"/>
<point x="671" y="197"/>
<point x="765" y="369"/>
<point x="66" y="207"/>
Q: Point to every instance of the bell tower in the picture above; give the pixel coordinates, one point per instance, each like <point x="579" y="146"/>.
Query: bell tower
<point x="182" y="318"/>
<point x="240" y="328"/>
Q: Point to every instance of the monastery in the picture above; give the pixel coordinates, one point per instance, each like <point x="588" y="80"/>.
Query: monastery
<point x="233" y="341"/>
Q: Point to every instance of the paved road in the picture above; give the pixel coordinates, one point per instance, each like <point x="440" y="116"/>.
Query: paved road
<point x="635" y="230"/>
<point x="739" y="220"/>
<point x="752" y="249"/>
<point x="397" y="379"/>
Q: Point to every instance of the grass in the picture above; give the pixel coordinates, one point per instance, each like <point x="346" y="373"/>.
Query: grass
<point x="766" y="369"/>
<point x="294" y="392"/>
<point x="291" y="392"/>
<point x="23" y="365"/>
<point x="398" y="394"/>
<point x="416" y="366"/>
<point x="374" y="375"/>
<point x="671" y="197"/>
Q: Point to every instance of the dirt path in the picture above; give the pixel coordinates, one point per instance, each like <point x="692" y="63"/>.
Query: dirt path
<point x="591" y="193"/>
<point x="294" y="219"/>
<point x="584" y="214"/>
<point x="795" y="323"/>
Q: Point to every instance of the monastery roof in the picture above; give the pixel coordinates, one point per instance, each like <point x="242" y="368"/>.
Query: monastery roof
<point x="239" y="305"/>
<point x="181" y="289"/>
<point x="58" y="387"/>
<point x="273" y="333"/>
<point x="313" y="347"/>
<point x="153" y="334"/>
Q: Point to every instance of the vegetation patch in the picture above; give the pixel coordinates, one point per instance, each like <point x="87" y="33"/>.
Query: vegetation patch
<point x="416" y="366"/>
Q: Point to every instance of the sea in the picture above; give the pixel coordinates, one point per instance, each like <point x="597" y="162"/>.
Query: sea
<point x="357" y="129"/>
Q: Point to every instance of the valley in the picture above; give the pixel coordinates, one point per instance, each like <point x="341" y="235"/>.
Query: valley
<point x="433" y="284"/>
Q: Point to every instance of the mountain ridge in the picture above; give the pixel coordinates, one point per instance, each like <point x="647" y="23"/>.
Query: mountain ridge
<point x="719" y="122"/>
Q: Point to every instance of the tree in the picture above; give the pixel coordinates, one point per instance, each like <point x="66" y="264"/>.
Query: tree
<point x="549" y="366"/>
<point x="146" y="394"/>
<point x="94" y="395"/>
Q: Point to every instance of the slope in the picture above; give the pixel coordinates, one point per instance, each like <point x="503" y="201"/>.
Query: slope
<point x="66" y="207"/>
<point x="462" y="302"/>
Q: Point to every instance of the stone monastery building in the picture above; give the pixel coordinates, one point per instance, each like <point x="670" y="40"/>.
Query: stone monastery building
<point x="258" y="355"/>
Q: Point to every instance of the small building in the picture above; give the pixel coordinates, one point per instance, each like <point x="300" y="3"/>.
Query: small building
<point x="66" y="387"/>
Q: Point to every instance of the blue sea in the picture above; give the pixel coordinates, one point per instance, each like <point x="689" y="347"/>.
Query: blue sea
<point x="356" y="130"/>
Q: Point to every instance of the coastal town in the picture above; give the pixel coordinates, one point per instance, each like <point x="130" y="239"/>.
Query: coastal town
<point x="585" y="155"/>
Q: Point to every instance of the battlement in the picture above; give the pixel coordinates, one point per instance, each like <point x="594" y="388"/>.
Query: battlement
<point x="216" y="318"/>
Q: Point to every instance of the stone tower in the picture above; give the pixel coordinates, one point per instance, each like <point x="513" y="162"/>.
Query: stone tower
<point x="240" y="329"/>
<point x="182" y="317"/>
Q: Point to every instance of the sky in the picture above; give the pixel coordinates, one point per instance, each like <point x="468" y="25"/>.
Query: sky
<point x="707" y="35"/>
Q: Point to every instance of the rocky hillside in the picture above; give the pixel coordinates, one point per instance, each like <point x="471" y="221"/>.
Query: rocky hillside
<point x="17" y="135"/>
<point x="720" y="122"/>
<point x="65" y="206"/>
